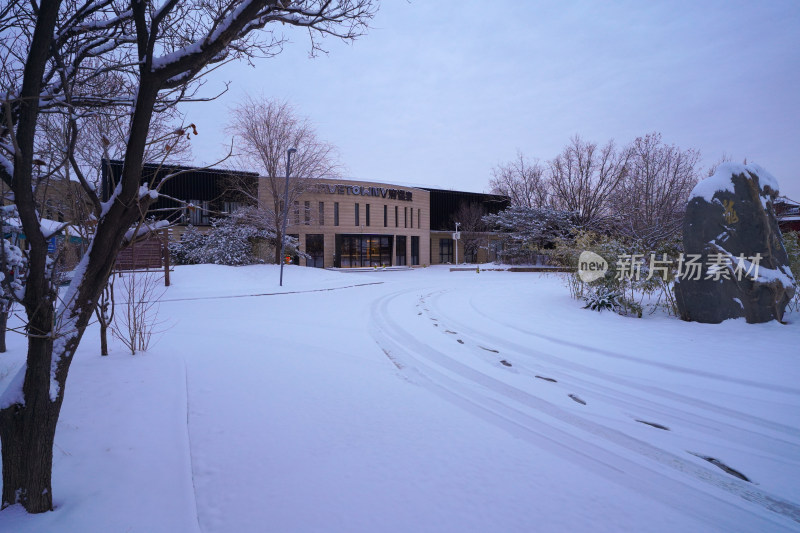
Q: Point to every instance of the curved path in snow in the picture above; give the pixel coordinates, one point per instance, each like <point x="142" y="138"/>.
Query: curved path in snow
<point x="555" y="391"/>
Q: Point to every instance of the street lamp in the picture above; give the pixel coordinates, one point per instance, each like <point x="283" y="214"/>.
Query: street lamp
<point x="289" y="153"/>
<point x="456" y="236"/>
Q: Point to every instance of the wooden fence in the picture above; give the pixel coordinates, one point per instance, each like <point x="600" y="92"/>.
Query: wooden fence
<point x="149" y="254"/>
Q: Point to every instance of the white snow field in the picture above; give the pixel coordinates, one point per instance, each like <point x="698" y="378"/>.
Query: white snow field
<point x="422" y="401"/>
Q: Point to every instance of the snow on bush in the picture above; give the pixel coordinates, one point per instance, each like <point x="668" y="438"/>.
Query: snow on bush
<point x="628" y="273"/>
<point x="791" y="241"/>
<point x="528" y="230"/>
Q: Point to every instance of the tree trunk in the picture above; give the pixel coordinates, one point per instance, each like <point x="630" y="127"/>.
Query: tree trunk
<point x="3" y="324"/>
<point x="27" y="432"/>
<point x="103" y="339"/>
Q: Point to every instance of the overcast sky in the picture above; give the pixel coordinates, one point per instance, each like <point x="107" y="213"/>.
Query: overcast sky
<point x="440" y="92"/>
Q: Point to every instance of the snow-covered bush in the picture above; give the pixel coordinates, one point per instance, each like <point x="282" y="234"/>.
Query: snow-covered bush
<point x="230" y="241"/>
<point x="182" y="252"/>
<point x="529" y="230"/>
<point x="602" y="299"/>
<point x="791" y="241"/>
<point x="628" y="273"/>
<point x="12" y="270"/>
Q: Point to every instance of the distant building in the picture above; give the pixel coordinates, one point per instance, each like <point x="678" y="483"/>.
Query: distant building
<point x="788" y="213"/>
<point x="339" y="223"/>
<point x="207" y="191"/>
<point x="347" y="223"/>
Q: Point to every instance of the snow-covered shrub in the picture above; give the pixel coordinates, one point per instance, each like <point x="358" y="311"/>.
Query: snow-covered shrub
<point x="182" y="252"/>
<point x="136" y="320"/>
<point x="529" y="230"/>
<point x="791" y="241"/>
<point x="602" y="299"/>
<point x="628" y="273"/>
<point x="228" y="243"/>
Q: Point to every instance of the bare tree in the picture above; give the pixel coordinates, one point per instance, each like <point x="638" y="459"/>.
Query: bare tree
<point x="470" y="217"/>
<point x="650" y="200"/>
<point x="267" y="129"/>
<point x="523" y="182"/>
<point x="54" y="52"/>
<point x="583" y="178"/>
<point x="137" y="320"/>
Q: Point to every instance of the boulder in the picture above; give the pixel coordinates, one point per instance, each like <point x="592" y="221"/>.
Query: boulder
<point x="730" y="231"/>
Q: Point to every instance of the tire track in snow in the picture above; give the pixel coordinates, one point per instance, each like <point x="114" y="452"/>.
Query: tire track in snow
<point x="665" y="366"/>
<point x="568" y="435"/>
<point x="770" y="440"/>
<point x="542" y="359"/>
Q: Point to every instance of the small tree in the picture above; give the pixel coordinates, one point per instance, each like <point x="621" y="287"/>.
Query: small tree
<point x="266" y="130"/>
<point x="137" y="319"/>
<point x="470" y="217"/>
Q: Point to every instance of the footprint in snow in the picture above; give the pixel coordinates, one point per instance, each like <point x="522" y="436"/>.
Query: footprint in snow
<point x="551" y="380"/>
<point x="488" y="349"/>
<point x="577" y="399"/>
<point x="504" y="362"/>
<point x="653" y="424"/>
<point x="460" y="341"/>
<point x="719" y="464"/>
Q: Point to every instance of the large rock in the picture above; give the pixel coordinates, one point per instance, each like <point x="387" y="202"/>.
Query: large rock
<point x="730" y="215"/>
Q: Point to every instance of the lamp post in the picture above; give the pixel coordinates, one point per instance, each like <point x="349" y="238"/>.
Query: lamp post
<point x="289" y="153"/>
<point x="455" y="238"/>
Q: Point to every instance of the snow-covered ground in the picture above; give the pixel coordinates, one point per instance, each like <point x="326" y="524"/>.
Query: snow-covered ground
<point x="422" y="400"/>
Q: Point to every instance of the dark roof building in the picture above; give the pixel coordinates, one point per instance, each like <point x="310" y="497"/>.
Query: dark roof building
<point x="207" y="190"/>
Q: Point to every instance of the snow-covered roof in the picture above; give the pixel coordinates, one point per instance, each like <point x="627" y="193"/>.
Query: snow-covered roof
<point x="787" y="201"/>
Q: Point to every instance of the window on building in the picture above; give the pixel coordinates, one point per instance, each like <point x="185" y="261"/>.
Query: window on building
<point x="446" y="250"/>
<point x="366" y="214"/>
<point x="358" y="222"/>
<point x="297" y="212"/>
<point x="415" y="249"/>
<point x="396" y="218"/>
<point x="322" y="213"/>
<point x="385" y="216"/>
<point x="470" y="253"/>
<point x="335" y="213"/>
<point x="405" y="217"/>
<point x="419" y="224"/>
<point x="307" y="211"/>
<point x="197" y="213"/>
<point x="363" y="250"/>
<point x="315" y="248"/>
<point x="411" y="210"/>
<point x="400" y="250"/>
<point x="230" y="207"/>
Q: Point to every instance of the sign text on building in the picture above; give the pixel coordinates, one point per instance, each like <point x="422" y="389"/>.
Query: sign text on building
<point x="359" y="190"/>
